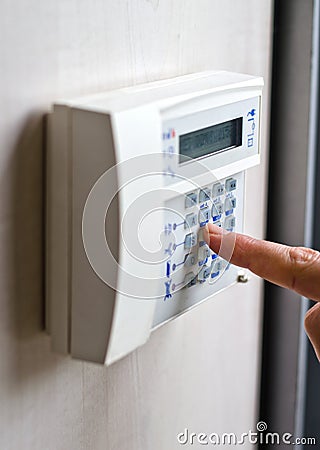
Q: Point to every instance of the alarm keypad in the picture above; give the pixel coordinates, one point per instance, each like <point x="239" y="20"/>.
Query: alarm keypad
<point x="192" y="271"/>
<point x="215" y="204"/>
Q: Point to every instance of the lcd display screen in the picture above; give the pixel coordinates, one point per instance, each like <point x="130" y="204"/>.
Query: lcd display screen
<point x="206" y="141"/>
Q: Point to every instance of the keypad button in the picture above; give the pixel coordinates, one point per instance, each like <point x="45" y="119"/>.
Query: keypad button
<point x="204" y="195"/>
<point x="190" y="240"/>
<point x="230" y="222"/>
<point x="219" y="207"/>
<point x="217" y="189"/>
<point x="216" y="267"/>
<point x="204" y="273"/>
<point x="215" y="214"/>
<point x="229" y="204"/>
<point x="191" y="199"/>
<point x="190" y="260"/>
<point x="189" y="279"/>
<point x="203" y="254"/>
<point x="201" y="237"/>
<point x="204" y="216"/>
<point x="191" y="220"/>
<point x="231" y="184"/>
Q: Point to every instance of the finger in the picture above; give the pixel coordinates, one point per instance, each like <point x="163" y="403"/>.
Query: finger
<point x="312" y="327"/>
<point x="296" y="268"/>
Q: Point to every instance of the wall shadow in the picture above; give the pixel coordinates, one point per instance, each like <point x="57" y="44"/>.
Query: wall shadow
<point x="31" y="354"/>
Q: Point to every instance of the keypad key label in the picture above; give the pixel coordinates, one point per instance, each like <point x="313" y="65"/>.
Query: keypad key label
<point x="191" y="220"/>
<point x="204" y="216"/>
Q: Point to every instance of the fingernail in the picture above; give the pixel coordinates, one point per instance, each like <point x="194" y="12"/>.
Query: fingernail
<point x="206" y="234"/>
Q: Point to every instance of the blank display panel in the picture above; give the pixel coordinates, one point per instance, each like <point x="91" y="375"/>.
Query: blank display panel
<point x="206" y="141"/>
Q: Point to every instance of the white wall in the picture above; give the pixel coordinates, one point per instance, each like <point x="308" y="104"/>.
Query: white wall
<point x="201" y="371"/>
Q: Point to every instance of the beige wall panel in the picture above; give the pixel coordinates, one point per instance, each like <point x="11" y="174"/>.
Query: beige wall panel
<point x="200" y="371"/>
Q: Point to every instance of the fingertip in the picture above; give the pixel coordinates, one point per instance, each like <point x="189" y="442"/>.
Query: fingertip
<point x="215" y="234"/>
<point x="214" y="229"/>
<point x="206" y="234"/>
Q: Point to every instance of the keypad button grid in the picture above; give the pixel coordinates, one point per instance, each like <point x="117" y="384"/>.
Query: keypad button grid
<point x="216" y="203"/>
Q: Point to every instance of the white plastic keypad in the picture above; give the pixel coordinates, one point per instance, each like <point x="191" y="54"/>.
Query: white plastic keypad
<point x="192" y="271"/>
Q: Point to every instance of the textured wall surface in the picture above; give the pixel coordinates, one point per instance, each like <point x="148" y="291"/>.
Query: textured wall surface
<point x="200" y="371"/>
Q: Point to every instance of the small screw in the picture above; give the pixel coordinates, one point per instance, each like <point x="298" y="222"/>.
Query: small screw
<point x="243" y="278"/>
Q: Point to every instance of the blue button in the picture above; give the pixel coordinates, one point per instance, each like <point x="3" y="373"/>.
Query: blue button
<point x="168" y="269"/>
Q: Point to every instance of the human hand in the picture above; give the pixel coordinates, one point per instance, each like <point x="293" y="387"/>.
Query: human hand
<point x="296" y="268"/>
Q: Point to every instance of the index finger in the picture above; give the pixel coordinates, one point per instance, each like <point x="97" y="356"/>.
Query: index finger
<point x="296" y="268"/>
